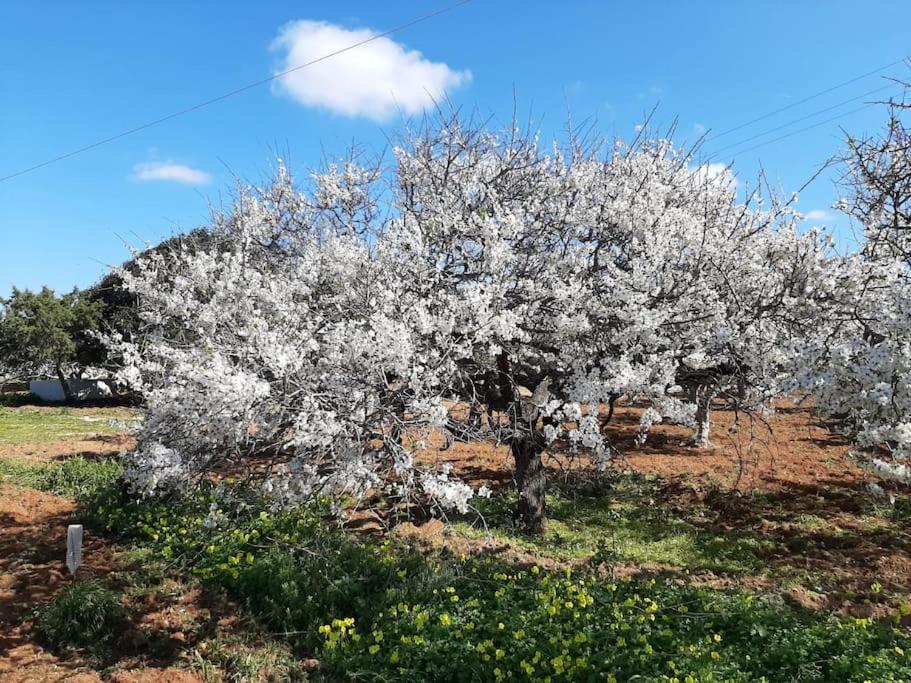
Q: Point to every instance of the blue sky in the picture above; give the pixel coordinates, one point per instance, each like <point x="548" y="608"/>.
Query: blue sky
<point x="78" y="72"/>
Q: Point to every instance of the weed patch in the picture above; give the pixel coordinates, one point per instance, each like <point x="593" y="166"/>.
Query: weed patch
<point x="84" y="615"/>
<point x="75" y="477"/>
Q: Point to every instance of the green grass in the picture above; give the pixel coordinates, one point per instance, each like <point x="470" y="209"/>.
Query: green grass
<point x="85" y="614"/>
<point x="76" y="477"/>
<point x="620" y="524"/>
<point x="28" y="425"/>
<point x="22" y="473"/>
<point x="240" y="659"/>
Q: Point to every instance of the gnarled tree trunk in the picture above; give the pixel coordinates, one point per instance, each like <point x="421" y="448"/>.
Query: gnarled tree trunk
<point x="526" y="443"/>
<point x="531" y="482"/>
<point x="704" y="393"/>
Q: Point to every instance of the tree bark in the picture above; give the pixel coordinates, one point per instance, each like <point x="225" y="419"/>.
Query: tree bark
<point x="611" y="402"/>
<point x="67" y="394"/>
<point x="531" y="482"/>
<point x="526" y="444"/>
<point x="741" y="397"/>
<point x="704" y="396"/>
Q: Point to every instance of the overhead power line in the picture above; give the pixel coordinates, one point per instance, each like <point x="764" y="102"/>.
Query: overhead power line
<point x="803" y="130"/>
<point x="803" y="118"/>
<point x="232" y="93"/>
<point x="809" y="98"/>
<point x="443" y="10"/>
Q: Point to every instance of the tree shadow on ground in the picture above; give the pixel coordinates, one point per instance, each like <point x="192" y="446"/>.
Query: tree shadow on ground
<point x="825" y="534"/>
<point x="827" y="527"/>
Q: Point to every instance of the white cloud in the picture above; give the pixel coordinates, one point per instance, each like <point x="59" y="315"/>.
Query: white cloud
<point x="820" y="215"/>
<point x="167" y="170"/>
<point x="654" y="92"/>
<point x="376" y="80"/>
<point x="718" y="173"/>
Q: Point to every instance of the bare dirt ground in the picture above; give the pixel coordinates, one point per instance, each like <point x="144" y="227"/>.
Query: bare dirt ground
<point x="32" y="538"/>
<point x="170" y="621"/>
<point x="791" y="448"/>
<point x="32" y="534"/>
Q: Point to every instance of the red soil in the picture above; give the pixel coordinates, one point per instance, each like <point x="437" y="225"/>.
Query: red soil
<point x="792" y="448"/>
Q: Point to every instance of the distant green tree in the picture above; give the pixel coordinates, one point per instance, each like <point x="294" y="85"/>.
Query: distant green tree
<point x="118" y="304"/>
<point x="41" y="329"/>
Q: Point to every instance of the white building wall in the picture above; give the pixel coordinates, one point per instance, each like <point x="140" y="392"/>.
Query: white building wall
<point x="50" y="390"/>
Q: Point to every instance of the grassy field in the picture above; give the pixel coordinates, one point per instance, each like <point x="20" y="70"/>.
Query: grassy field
<point x="51" y="424"/>
<point x="759" y="540"/>
<point x="638" y="577"/>
<point x="621" y="525"/>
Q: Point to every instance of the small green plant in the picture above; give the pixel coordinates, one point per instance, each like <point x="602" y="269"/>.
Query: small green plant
<point x="901" y="510"/>
<point x="75" y="477"/>
<point x="239" y="660"/>
<point x="78" y="477"/>
<point x="85" y="614"/>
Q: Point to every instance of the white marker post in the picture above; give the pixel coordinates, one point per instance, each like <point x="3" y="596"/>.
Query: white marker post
<point x="74" y="547"/>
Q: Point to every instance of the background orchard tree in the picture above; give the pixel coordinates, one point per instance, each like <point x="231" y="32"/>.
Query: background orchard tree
<point x="698" y="293"/>
<point x="767" y="277"/>
<point x="877" y="184"/>
<point x="41" y="331"/>
<point x="858" y="364"/>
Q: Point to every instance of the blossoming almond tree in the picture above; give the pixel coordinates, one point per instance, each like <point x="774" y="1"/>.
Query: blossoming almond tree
<point x="321" y="336"/>
<point x="858" y="364"/>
